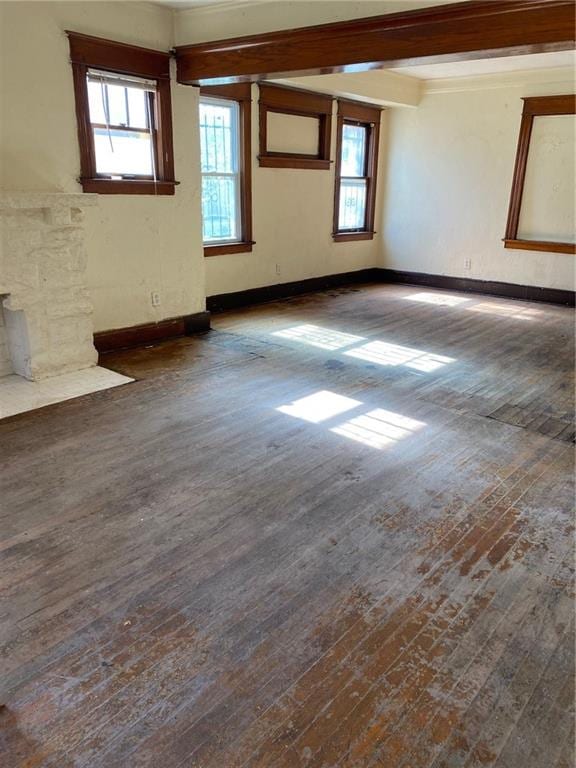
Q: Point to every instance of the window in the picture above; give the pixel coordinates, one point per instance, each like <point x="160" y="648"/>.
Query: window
<point x="356" y="165"/>
<point x="549" y="194"/>
<point x="225" y="167"/>
<point x="295" y="128"/>
<point x="124" y="117"/>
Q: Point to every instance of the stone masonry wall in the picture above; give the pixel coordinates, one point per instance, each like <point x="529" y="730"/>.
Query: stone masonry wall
<point x="47" y="308"/>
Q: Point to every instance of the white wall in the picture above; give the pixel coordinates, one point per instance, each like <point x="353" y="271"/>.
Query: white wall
<point x="292" y="227"/>
<point x="448" y="180"/>
<point x="136" y="243"/>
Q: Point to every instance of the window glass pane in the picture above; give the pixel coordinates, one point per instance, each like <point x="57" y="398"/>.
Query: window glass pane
<point x="96" y="96"/>
<point x="124" y="105"/>
<point x="218" y="137"/>
<point x="354" y="138"/>
<point x="352" y="213"/>
<point x="123" y="152"/>
<point x="219" y="208"/>
<point x="117" y="104"/>
<point x="137" y="108"/>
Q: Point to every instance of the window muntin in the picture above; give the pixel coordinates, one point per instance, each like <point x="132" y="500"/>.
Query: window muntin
<point x="122" y="121"/>
<point x="220" y="166"/>
<point x="353" y="178"/>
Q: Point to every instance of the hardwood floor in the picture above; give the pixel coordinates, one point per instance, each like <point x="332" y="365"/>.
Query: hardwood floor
<point x="334" y="531"/>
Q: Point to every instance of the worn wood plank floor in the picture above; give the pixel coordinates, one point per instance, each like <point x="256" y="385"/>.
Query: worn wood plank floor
<point x="334" y="531"/>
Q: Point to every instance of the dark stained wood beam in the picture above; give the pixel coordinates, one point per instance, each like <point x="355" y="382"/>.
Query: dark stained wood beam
<point x="452" y="32"/>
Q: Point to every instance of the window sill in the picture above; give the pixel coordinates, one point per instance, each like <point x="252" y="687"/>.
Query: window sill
<point x="293" y="161"/>
<point x="346" y="237"/>
<point x="128" y="186"/>
<point x="540" y="245"/>
<point x="220" y="249"/>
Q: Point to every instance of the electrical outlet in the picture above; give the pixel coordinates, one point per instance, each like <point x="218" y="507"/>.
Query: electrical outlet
<point x="155" y="298"/>
<point x="467" y="264"/>
<point x="277" y="269"/>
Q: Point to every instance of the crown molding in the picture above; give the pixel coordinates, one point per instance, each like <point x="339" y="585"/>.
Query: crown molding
<point x="563" y="77"/>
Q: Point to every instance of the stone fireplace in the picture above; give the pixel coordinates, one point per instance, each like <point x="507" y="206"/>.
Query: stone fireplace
<point x="45" y="309"/>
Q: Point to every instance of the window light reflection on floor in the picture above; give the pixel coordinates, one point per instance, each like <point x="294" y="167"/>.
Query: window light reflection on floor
<point x="319" y="406"/>
<point x="505" y="310"/>
<point x="324" y="338"/>
<point x="383" y="353"/>
<point x="378" y="428"/>
<point x="443" y="300"/>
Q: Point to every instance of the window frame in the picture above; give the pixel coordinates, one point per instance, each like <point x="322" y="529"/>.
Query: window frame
<point x="534" y="106"/>
<point x="241" y="93"/>
<point x="87" y="52"/>
<point x="367" y="116"/>
<point x="290" y="101"/>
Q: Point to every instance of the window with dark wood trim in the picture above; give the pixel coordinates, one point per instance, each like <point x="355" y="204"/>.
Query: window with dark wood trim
<point x="138" y="80"/>
<point x="288" y="101"/>
<point x="239" y="241"/>
<point x="357" y="137"/>
<point x="534" y="106"/>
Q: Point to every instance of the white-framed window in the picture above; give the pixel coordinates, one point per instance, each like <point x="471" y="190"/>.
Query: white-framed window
<point x="122" y="118"/>
<point x="220" y="166"/>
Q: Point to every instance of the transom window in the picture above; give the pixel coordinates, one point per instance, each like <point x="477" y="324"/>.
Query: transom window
<point x="122" y="120"/>
<point x="219" y="147"/>
<point x="356" y="166"/>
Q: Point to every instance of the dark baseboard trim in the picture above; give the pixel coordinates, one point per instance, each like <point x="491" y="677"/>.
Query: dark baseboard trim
<point x="490" y="287"/>
<point x="150" y="333"/>
<point x="225" y="301"/>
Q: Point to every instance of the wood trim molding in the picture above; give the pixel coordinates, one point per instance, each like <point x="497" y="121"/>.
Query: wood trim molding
<point x="118" y="57"/>
<point x="369" y="116"/>
<point x="541" y="245"/>
<point x="233" y="91"/>
<point x="457" y="31"/>
<point x="290" y="101"/>
<point x="242" y="93"/>
<point x="222" y="249"/>
<point x="487" y="287"/>
<point x="534" y="106"/>
<point x="128" y="187"/>
<point x="150" y="333"/>
<point x="87" y="51"/>
<point x="295" y="101"/>
<point x="224" y="301"/>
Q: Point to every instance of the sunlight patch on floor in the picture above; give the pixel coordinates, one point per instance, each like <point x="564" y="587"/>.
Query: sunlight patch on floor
<point x="383" y="353"/>
<point x="442" y="300"/>
<point x="324" y="338"/>
<point x="503" y="310"/>
<point x="319" y="406"/>
<point x="378" y="428"/>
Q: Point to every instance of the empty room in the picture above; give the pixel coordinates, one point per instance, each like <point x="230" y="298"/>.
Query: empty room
<point x="287" y="383"/>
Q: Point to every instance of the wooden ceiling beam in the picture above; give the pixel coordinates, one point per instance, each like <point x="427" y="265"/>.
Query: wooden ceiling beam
<point x="452" y="32"/>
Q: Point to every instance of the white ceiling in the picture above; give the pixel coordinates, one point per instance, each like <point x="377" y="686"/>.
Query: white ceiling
<point x="490" y="66"/>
